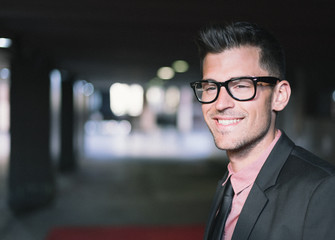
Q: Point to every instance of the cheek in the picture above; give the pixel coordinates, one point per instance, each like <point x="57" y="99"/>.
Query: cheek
<point x="262" y="106"/>
<point x="259" y="113"/>
<point x="205" y="108"/>
<point x="206" y="111"/>
<point x="263" y="112"/>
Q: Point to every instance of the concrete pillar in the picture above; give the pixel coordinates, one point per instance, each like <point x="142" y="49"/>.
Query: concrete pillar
<point x="68" y="159"/>
<point x="31" y="175"/>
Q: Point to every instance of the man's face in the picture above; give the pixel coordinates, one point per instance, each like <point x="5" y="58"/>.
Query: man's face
<point x="238" y="125"/>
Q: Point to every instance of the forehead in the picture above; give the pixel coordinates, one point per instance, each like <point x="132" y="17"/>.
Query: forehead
<point x="235" y="62"/>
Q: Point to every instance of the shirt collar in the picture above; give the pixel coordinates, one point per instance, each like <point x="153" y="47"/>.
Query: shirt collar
<point x="245" y="177"/>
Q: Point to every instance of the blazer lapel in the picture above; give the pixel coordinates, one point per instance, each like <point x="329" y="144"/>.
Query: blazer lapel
<point x="266" y="178"/>
<point x="250" y="213"/>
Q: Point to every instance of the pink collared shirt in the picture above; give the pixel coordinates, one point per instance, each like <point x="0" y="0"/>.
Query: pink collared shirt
<point x="242" y="182"/>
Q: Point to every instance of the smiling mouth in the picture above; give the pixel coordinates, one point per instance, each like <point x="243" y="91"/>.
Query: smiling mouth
<point x="228" y="122"/>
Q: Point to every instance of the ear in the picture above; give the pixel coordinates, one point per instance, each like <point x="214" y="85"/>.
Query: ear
<point x="281" y="95"/>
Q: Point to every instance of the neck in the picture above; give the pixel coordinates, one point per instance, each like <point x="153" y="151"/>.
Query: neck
<point x="240" y="158"/>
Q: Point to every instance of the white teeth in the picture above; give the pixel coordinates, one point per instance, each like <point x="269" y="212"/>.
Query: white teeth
<point x="228" y="122"/>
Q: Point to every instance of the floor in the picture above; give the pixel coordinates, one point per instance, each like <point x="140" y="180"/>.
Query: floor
<point x="120" y="192"/>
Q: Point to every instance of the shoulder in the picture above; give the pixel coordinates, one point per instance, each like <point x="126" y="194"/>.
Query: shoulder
<point x="302" y="165"/>
<point x="291" y="165"/>
<point x="311" y="162"/>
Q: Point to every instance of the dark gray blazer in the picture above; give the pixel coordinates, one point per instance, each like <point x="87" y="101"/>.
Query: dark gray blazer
<point x="293" y="198"/>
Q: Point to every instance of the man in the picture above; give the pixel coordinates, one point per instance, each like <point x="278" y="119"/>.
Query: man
<point x="279" y="191"/>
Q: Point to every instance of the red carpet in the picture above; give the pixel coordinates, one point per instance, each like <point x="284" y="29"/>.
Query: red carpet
<point x="127" y="233"/>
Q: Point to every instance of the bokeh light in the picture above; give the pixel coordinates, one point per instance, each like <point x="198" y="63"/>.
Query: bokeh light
<point x="180" y="66"/>
<point x="165" y="73"/>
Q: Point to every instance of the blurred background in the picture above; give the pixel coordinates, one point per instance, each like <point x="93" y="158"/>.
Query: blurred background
<point x="98" y="124"/>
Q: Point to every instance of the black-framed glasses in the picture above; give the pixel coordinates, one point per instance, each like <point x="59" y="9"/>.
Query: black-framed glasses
<point x="240" y="88"/>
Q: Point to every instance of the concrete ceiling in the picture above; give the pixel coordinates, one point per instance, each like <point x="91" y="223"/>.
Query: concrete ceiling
<point x="128" y="40"/>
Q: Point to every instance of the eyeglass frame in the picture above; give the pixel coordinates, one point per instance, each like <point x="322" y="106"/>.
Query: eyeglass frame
<point x="266" y="79"/>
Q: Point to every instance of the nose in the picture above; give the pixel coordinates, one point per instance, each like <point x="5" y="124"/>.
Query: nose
<point x="224" y="100"/>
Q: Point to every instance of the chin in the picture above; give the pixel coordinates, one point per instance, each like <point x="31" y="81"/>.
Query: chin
<point x="224" y="145"/>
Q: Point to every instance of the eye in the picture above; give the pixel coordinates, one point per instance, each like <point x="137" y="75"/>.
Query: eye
<point x="241" y="84"/>
<point x="209" y="87"/>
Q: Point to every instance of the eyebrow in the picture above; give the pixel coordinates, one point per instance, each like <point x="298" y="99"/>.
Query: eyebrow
<point x="233" y="78"/>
